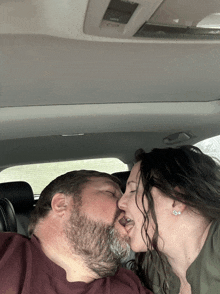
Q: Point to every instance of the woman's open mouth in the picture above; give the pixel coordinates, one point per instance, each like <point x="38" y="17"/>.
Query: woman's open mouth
<point x="127" y="223"/>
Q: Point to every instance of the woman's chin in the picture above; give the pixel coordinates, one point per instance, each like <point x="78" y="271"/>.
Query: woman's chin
<point x="138" y="246"/>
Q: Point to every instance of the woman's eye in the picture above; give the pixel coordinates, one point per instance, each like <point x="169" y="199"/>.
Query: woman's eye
<point x="133" y="191"/>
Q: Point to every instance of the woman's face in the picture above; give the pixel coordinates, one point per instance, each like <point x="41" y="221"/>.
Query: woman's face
<point x="131" y="203"/>
<point x="127" y="203"/>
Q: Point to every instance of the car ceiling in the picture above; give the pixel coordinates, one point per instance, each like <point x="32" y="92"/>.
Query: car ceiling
<point x="41" y="70"/>
<point x="57" y="83"/>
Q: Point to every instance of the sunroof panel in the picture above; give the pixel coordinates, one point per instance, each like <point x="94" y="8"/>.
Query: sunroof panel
<point x="184" y="12"/>
<point x="191" y="19"/>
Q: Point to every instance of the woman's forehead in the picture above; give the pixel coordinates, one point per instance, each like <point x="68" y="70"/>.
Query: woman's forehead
<point x="134" y="175"/>
<point x="135" y="172"/>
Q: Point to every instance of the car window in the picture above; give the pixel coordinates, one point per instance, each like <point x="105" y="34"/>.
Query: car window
<point x="39" y="175"/>
<point x="211" y="147"/>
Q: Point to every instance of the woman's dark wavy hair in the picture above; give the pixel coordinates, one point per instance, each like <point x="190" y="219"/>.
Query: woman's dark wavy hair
<point x="198" y="178"/>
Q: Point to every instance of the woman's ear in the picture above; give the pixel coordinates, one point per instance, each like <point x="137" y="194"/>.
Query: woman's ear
<point x="178" y="207"/>
<point x="59" y="204"/>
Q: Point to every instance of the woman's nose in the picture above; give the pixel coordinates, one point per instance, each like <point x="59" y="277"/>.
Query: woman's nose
<point x="122" y="202"/>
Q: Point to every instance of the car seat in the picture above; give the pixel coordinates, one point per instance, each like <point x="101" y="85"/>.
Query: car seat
<point x="21" y="196"/>
<point x="8" y="221"/>
<point x="122" y="176"/>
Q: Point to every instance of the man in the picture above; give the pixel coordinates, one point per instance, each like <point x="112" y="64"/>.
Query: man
<point x="77" y="241"/>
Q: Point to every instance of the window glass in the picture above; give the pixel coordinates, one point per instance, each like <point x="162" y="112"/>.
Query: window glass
<point x="39" y="175"/>
<point x="211" y="147"/>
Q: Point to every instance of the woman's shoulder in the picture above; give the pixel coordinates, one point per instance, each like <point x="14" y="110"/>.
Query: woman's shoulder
<point x="209" y="253"/>
<point x="214" y="235"/>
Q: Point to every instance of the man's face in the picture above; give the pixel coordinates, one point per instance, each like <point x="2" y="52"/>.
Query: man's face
<point x="99" y="201"/>
<point x="93" y="229"/>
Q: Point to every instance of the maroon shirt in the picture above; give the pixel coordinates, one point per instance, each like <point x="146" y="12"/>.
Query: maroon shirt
<point x="25" y="269"/>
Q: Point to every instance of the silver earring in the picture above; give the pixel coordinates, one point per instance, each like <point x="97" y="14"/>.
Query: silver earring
<point x="176" y="212"/>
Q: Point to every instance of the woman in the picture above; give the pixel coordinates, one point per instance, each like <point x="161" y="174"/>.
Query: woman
<point x="172" y="216"/>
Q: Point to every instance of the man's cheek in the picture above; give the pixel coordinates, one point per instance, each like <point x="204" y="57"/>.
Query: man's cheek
<point x="100" y="212"/>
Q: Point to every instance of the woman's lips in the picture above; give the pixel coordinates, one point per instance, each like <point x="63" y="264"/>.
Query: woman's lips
<point x="127" y="223"/>
<point x="129" y="227"/>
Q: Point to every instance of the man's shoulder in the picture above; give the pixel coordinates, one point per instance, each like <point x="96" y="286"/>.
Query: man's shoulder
<point x="11" y="235"/>
<point x="126" y="279"/>
<point x="124" y="273"/>
<point x="8" y="238"/>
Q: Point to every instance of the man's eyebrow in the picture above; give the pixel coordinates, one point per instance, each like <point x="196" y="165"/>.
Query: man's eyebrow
<point x="112" y="183"/>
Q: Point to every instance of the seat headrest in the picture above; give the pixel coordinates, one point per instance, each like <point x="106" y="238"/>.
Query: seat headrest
<point x="122" y="176"/>
<point x="19" y="193"/>
<point x="8" y="221"/>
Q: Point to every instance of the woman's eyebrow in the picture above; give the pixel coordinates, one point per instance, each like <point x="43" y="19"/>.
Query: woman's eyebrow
<point x="130" y="182"/>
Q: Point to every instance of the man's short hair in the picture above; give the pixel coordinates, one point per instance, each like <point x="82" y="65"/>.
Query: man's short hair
<point x="71" y="184"/>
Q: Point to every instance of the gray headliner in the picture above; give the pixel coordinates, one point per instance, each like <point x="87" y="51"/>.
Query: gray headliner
<point x="44" y="70"/>
<point x="110" y="130"/>
<point x="57" y="148"/>
<point x="122" y="96"/>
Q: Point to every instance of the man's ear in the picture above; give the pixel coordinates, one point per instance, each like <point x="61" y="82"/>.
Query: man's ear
<point x="59" y="203"/>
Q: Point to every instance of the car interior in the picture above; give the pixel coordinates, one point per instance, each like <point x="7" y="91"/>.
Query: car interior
<point x="94" y="79"/>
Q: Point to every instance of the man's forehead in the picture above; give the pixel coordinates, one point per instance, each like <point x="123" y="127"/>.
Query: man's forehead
<point x="102" y="181"/>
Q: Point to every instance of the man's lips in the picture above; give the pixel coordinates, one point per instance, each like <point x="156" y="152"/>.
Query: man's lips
<point x="123" y="221"/>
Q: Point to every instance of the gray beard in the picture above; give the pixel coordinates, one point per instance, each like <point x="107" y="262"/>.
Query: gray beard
<point x="100" y="245"/>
